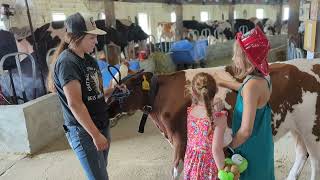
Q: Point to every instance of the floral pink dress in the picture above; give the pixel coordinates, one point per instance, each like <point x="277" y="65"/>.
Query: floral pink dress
<point x="198" y="161"/>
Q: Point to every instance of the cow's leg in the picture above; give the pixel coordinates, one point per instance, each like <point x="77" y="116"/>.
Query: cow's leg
<point x="179" y="151"/>
<point x="301" y="157"/>
<point x="313" y="150"/>
<point x="315" y="167"/>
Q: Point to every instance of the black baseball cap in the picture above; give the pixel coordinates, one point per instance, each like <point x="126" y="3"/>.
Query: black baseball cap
<point x="76" y="23"/>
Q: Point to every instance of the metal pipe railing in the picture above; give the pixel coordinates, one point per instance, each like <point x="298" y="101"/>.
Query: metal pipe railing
<point x="12" y="89"/>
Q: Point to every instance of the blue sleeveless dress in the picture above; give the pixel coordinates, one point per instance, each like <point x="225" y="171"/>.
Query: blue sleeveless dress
<point x="259" y="148"/>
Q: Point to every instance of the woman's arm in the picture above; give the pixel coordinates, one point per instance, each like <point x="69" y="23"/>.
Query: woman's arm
<point x="218" y="141"/>
<point x="73" y="94"/>
<point x="233" y="85"/>
<point x="250" y="99"/>
<point x="230" y="85"/>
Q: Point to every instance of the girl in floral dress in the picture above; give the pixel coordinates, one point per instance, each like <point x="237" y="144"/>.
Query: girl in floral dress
<point x="205" y="131"/>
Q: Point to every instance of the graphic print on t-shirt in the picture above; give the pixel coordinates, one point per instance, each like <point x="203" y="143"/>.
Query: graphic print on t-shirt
<point x="94" y="84"/>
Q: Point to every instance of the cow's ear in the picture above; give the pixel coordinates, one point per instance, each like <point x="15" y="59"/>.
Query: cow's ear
<point x="139" y="73"/>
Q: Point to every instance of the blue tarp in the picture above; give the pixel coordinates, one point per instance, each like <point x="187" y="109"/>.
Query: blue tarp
<point x="185" y="52"/>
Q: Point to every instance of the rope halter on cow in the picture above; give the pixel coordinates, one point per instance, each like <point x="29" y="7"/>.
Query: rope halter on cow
<point x="120" y="95"/>
<point x="152" y="92"/>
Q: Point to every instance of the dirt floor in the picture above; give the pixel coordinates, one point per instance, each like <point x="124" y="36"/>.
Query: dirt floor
<point x="133" y="156"/>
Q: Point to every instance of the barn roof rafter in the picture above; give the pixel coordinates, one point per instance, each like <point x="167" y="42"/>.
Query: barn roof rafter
<point x="204" y="2"/>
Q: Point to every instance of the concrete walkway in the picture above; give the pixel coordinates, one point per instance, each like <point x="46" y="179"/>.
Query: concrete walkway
<point x="133" y="156"/>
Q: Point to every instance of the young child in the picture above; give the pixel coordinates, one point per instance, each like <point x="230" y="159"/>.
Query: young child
<point x="251" y="121"/>
<point x="206" y="125"/>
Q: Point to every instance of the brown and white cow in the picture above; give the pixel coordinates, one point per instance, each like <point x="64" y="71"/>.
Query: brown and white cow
<point x="295" y="103"/>
<point x="166" y="30"/>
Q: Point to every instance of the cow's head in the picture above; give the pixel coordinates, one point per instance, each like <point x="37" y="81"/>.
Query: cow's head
<point x="136" y="97"/>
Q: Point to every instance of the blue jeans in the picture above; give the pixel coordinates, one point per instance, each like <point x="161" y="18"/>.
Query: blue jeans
<point x="93" y="162"/>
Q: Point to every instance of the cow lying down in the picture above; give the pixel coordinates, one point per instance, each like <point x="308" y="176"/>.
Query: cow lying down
<point x="295" y="103"/>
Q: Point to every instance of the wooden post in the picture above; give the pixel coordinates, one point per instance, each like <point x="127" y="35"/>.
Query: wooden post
<point x="41" y="66"/>
<point x="314" y="16"/>
<point x="179" y="22"/>
<point x="315" y="10"/>
<point x="231" y="15"/>
<point x="110" y="14"/>
<point x="293" y="22"/>
<point x="136" y="20"/>
<point x="278" y="23"/>
<point x="110" y="51"/>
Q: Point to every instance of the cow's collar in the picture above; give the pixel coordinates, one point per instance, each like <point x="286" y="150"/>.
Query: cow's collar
<point x="149" y="106"/>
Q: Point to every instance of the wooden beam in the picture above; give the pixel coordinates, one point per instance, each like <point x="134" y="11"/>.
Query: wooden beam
<point x="110" y="14"/>
<point x="293" y="22"/>
<point x="200" y="2"/>
<point x="179" y="22"/>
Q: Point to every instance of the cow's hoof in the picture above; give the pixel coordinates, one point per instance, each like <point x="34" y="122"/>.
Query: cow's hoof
<point x="175" y="174"/>
<point x="176" y="171"/>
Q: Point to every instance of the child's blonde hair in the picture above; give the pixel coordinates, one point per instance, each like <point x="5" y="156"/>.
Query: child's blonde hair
<point x="203" y="89"/>
<point x="244" y="67"/>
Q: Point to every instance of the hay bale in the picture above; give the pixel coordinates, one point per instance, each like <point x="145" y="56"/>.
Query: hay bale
<point x="278" y="54"/>
<point x="163" y="63"/>
<point x="148" y="65"/>
<point x="158" y="63"/>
